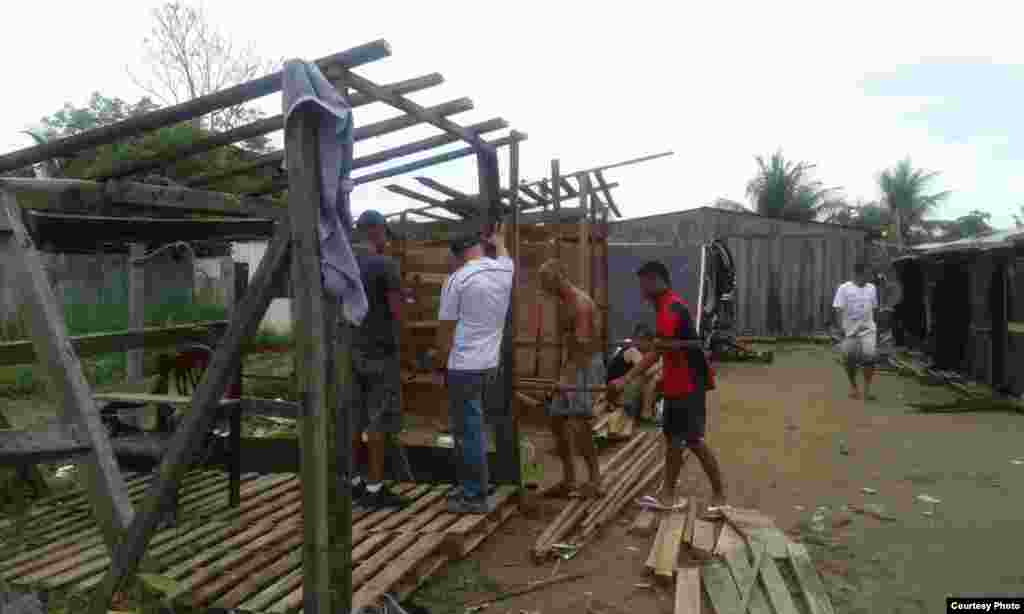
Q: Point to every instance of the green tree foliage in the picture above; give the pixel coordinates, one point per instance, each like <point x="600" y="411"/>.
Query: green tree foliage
<point x="904" y="192"/>
<point x="103" y="110"/>
<point x="973" y="225"/>
<point x="785" y="189"/>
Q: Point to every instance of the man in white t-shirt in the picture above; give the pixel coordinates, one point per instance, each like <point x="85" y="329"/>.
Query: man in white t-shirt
<point x="855" y="305"/>
<point x="474" y="304"/>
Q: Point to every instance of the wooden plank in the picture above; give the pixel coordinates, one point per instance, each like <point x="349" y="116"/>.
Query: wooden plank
<point x="721" y="588"/>
<point x="24" y="353"/>
<point x="265" y="579"/>
<point x="197" y="422"/>
<point x="688" y="597"/>
<point x="644" y="523"/>
<point x="775" y="540"/>
<point x="273" y="593"/>
<point x="691" y="520"/>
<point x="103" y="481"/>
<point x="807" y="575"/>
<point x="703" y="535"/>
<point x="311" y="359"/>
<point x="668" y="554"/>
<point x="397" y="569"/>
<point x="190" y="109"/>
<point x="399" y="102"/>
<point x="744" y="578"/>
<point x="729" y="540"/>
<point x="776" y="589"/>
<point x="255" y="560"/>
<point x="656" y="546"/>
<point x="382" y="558"/>
<point x="57" y="442"/>
<point x="744" y="519"/>
<point x="434" y="160"/>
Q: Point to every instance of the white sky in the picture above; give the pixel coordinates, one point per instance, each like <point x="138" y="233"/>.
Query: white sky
<point x="596" y="82"/>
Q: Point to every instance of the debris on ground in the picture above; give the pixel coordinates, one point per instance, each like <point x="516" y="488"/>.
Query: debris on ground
<point x="630" y="471"/>
<point x="874" y="510"/>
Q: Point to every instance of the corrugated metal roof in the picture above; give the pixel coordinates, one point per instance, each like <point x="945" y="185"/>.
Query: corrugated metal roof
<point x="996" y="240"/>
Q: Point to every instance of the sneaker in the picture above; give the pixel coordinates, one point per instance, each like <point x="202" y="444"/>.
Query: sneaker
<point x="382" y="499"/>
<point x="462" y="505"/>
<point x="359" y="493"/>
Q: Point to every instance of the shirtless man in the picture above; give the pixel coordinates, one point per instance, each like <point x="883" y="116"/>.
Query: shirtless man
<point x="581" y="370"/>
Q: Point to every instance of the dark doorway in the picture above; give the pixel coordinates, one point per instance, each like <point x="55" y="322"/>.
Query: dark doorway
<point x="952" y="309"/>
<point x="910" y="313"/>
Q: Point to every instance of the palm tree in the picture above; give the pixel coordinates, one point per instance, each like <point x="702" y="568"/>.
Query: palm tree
<point x="903" y="191"/>
<point x="785" y="189"/>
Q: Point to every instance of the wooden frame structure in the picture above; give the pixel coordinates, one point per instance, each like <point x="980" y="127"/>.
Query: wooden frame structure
<point x="294" y="247"/>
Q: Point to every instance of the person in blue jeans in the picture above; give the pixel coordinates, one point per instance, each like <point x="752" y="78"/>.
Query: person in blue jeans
<point x="474" y="304"/>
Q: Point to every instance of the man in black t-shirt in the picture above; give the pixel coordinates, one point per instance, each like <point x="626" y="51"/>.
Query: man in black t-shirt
<point x="376" y="371"/>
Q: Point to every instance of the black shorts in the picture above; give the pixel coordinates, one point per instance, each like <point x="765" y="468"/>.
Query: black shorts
<point x="684" y="419"/>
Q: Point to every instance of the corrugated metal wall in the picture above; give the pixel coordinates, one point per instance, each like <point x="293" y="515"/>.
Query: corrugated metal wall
<point x="787" y="272"/>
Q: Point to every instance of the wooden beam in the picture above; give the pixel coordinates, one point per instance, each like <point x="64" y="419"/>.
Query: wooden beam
<point x="585" y="248"/>
<point x="449" y="206"/>
<point x="244" y="324"/>
<point x="590" y="191"/>
<point x="42" y="445"/>
<point x="311" y="360"/>
<point x="569" y="190"/>
<point x="242" y="133"/>
<point x="400" y="87"/>
<point x="136" y="309"/>
<point x="372" y="89"/>
<point x="78" y="191"/>
<point x="426" y="144"/>
<point x="104" y="483"/>
<point x="191" y="109"/>
<point x="442" y="188"/>
<point x="24" y="352"/>
<point x="433" y="160"/>
<point x="611" y="166"/>
<point x="599" y="175"/>
<point x="532" y="194"/>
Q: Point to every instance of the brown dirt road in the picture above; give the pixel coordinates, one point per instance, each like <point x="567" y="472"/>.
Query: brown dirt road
<point x="780" y="431"/>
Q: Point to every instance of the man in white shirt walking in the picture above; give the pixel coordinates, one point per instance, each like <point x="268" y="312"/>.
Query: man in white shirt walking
<point x="474" y="303"/>
<point x="855" y="306"/>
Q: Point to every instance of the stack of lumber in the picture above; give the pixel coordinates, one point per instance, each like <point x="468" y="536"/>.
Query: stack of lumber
<point x="915" y="368"/>
<point x="750" y="565"/>
<point x="625" y="476"/>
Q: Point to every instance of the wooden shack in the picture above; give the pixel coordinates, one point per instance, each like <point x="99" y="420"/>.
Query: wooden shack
<point x="786" y="272"/>
<point x="963" y="307"/>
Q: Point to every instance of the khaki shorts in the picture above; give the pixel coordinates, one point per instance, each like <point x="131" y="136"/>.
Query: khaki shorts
<point x="860" y="350"/>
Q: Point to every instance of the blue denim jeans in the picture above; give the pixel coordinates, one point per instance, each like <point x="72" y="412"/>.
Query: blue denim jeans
<point x="466" y="412"/>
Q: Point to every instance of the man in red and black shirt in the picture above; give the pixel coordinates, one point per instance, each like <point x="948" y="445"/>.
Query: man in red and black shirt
<point x="686" y="379"/>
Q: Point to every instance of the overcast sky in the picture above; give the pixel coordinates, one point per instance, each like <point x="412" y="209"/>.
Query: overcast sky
<point x="850" y="87"/>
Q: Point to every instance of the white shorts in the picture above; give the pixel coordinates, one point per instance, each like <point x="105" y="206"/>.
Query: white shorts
<point x="860" y="350"/>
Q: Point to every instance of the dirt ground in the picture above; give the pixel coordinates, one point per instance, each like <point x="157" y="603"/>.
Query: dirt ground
<point x="781" y="431"/>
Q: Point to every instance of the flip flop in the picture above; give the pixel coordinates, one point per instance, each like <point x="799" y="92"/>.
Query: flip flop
<point x="650" y="503"/>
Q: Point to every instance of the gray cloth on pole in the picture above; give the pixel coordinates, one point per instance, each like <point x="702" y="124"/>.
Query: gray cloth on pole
<point x="303" y="83"/>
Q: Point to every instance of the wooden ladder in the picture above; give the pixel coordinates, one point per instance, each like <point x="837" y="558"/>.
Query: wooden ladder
<point x="79" y="433"/>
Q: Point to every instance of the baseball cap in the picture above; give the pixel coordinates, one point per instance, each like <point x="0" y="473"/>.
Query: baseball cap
<point x="653" y="267"/>
<point x="371" y="218"/>
<point x="463" y="242"/>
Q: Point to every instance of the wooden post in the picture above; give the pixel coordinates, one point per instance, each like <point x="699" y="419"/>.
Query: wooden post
<point x="505" y="420"/>
<point x="308" y="318"/>
<point x="584" y="255"/>
<point x="244" y="324"/>
<point x="340" y="458"/>
<point x="77" y="409"/>
<point x="235" y="470"/>
<point x="136" y="308"/>
<point x="556" y="203"/>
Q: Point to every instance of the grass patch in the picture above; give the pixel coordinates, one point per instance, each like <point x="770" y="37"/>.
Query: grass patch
<point x="459" y="583"/>
<point x="21" y="381"/>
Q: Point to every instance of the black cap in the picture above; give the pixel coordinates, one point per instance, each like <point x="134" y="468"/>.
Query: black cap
<point x="463" y="242"/>
<point x="653" y="267"/>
